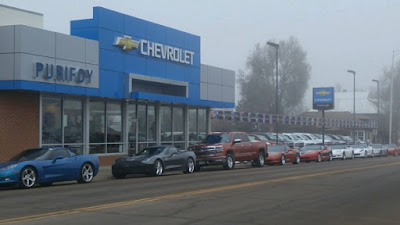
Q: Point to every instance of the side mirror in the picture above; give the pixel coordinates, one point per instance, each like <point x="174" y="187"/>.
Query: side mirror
<point x="238" y="140"/>
<point x="57" y="158"/>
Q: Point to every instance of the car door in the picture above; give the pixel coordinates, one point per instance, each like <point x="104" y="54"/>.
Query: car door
<point x="172" y="159"/>
<point x="59" y="165"/>
<point x="238" y="148"/>
<point x="349" y="151"/>
<point x="247" y="147"/>
<point x="290" y="154"/>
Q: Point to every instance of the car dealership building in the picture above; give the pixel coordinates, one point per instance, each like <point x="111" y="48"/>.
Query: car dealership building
<point x="116" y="85"/>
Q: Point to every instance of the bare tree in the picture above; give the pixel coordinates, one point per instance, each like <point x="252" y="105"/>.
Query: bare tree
<point x="257" y="82"/>
<point x="385" y="83"/>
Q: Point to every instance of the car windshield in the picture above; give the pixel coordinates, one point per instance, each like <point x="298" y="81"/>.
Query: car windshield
<point x="338" y="146"/>
<point x="376" y="146"/>
<point x="359" y="146"/>
<point x="283" y="138"/>
<point x="262" y="138"/>
<point x="310" y="147"/>
<point x="271" y="136"/>
<point x="391" y="146"/>
<point x="305" y="137"/>
<point x="151" y="151"/>
<point x="30" y="154"/>
<point x="214" y="139"/>
<point x="252" y="138"/>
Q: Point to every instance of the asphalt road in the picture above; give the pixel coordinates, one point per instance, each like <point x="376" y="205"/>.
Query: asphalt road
<point x="360" y="191"/>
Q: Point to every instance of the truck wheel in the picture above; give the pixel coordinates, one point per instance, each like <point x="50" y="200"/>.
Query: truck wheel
<point x="230" y="162"/>
<point x="260" y="159"/>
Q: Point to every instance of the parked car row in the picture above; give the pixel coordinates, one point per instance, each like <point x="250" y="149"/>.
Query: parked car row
<point x="44" y="166"/>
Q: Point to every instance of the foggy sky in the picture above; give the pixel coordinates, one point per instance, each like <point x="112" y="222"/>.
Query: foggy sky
<point x="337" y="35"/>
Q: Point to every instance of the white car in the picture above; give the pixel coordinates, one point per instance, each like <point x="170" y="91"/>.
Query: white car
<point x="379" y="150"/>
<point x="293" y="141"/>
<point x="342" y="152"/>
<point x="305" y="139"/>
<point x="363" y="151"/>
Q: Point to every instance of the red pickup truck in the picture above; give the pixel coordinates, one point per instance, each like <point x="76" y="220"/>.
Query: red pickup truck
<point x="227" y="148"/>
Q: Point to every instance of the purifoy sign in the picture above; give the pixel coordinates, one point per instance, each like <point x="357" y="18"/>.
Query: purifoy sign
<point x="62" y="73"/>
<point x="156" y="50"/>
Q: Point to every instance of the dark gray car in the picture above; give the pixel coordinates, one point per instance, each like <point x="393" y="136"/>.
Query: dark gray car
<point x="155" y="161"/>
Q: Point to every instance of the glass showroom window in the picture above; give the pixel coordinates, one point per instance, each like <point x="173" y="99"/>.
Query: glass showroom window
<point x="105" y="127"/>
<point x="166" y="124"/>
<point x="147" y="126"/>
<point x="114" y="128"/>
<point x="72" y="125"/>
<point x="132" y="122"/>
<point x="178" y="132"/>
<point x="51" y="121"/>
<point x="202" y="123"/>
<point x="151" y="124"/>
<point x="97" y="134"/>
<point x="62" y="123"/>
<point x="193" y="137"/>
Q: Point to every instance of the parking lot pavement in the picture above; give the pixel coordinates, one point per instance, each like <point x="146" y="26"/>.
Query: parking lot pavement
<point x="361" y="191"/>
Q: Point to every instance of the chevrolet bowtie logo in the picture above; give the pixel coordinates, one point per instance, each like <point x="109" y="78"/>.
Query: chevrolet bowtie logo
<point x="323" y="93"/>
<point x="126" y="43"/>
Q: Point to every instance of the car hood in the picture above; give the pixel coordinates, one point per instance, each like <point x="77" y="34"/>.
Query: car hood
<point x="4" y="165"/>
<point x="133" y="158"/>
<point x="338" y="150"/>
<point x="309" y="151"/>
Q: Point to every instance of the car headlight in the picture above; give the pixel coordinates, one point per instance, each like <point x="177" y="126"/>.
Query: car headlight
<point x="218" y="149"/>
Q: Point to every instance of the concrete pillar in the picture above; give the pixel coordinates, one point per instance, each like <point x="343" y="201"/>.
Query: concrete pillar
<point x="208" y="116"/>
<point x="158" y="123"/>
<point x="186" y="125"/>
<point x="86" y="117"/>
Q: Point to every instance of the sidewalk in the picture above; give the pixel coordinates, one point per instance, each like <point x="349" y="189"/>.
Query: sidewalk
<point x="104" y="174"/>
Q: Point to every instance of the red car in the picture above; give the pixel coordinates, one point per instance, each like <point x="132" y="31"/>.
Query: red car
<point x="282" y="154"/>
<point x="316" y="153"/>
<point x="393" y="150"/>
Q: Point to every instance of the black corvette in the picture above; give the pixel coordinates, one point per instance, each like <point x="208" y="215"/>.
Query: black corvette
<point x="155" y="161"/>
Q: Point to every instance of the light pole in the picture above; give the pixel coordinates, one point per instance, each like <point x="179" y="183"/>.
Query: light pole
<point x="276" y="46"/>
<point x="354" y="105"/>
<point x="391" y="97"/>
<point x="377" y="117"/>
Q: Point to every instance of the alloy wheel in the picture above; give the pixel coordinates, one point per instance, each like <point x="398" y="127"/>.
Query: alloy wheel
<point x="159" y="168"/>
<point x="28" y="177"/>
<point x="229" y="162"/>
<point x="87" y="173"/>
<point x="190" y="165"/>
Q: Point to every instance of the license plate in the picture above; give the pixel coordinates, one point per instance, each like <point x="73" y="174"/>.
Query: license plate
<point x="202" y="163"/>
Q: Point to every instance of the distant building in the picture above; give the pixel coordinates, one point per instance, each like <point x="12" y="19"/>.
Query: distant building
<point x="365" y="112"/>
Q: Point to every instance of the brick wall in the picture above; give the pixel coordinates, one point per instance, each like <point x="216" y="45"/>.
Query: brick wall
<point x="108" y="160"/>
<point x="19" y="123"/>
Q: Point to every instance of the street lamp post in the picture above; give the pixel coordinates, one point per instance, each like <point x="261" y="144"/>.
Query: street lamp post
<point x="391" y="97"/>
<point x="276" y="46"/>
<point x="354" y="105"/>
<point x="377" y="117"/>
